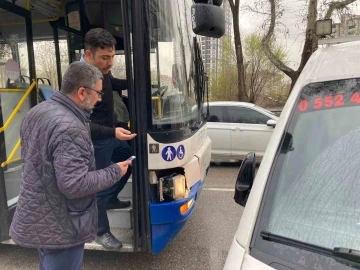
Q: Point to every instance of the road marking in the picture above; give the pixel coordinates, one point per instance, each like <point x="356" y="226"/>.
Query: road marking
<point x="220" y="189"/>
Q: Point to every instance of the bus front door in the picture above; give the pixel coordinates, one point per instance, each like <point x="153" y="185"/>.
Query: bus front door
<point x="17" y="95"/>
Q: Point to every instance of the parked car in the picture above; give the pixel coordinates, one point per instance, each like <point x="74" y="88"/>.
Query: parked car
<point x="237" y="128"/>
<point x="302" y="209"/>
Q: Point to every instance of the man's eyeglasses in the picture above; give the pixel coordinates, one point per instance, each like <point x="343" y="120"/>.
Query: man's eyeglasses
<point x="100" y="93"/>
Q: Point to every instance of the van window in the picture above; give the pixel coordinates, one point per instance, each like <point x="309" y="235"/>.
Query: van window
<point x="313" y="191"/>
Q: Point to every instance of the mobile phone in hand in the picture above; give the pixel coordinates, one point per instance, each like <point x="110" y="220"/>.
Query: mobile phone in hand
<point x="131" y="158"/>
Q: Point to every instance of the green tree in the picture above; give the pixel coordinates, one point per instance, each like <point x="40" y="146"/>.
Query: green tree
<point x="260" y="73"/>
<point x="261" y="76"/>
<point x="223" y="81"/>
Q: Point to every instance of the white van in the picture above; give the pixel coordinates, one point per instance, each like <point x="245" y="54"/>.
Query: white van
<point x="303" y="211"/>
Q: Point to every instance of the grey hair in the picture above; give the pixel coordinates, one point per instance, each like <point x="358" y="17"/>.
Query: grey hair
<point x="80" y="74"/>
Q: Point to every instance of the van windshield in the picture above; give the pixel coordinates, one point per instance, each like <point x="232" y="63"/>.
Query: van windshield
<point x="313" y="193"/>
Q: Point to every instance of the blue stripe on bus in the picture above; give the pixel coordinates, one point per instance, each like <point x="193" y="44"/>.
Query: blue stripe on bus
<point x="167" y="220"/>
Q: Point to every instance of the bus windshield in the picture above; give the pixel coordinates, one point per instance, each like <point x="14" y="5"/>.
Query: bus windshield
<point x="171" y="64"/>
<point x="313" y="191"/>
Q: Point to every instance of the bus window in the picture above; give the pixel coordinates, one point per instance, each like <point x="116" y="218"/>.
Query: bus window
<point x="119" y="68"/>
<point x="171" y="64"/>
<point x="64" y="51"/>
<point x="45" y="60"/>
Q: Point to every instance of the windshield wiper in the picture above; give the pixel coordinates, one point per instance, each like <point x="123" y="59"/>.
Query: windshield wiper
<point x="268" y="236"/>
<point x="337" y="253"/>
<point x="347" y="253"/>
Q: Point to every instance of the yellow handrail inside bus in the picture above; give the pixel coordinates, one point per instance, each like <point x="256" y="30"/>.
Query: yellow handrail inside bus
<point x="11" y="158"/>
<point x="9" y="90"/>
<point x="18" y="106"/>
<point x="158" y="101"/>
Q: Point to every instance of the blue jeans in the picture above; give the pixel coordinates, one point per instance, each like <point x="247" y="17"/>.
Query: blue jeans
<point x="60" y="259"/>
<point x="107" y="152"/>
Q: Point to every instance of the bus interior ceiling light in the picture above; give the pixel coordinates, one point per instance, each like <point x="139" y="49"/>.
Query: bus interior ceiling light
<point x="173" y="187"/>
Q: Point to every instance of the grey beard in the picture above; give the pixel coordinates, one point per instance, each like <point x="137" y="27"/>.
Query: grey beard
<point x="86" y="106"/>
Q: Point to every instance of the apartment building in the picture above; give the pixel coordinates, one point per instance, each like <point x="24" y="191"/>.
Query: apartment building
<point x="349" y="25"/>
<point x="211" y="47"/>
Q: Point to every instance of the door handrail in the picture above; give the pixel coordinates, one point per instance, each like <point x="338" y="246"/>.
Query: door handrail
<point x="11" y="158"/>
<point x="18" y="106"/>
<point x="158" y="101"/>
<point x="9" y="90"/>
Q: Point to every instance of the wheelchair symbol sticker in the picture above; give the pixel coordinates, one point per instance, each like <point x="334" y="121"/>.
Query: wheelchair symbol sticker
<point x="181" y="152"/>
<point x="168" y="153"/>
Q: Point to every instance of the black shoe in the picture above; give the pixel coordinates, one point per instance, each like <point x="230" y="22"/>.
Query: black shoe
<point x="108" y="241"/>
<point x="118" y="205"/>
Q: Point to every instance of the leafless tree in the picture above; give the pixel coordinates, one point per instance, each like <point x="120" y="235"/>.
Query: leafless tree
<point x="45" y="61"/>
<point x="311" y="41"/>
<point x="235" y="9"/>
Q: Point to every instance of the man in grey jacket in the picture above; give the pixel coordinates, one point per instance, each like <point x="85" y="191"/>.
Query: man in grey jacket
<point x="56" y="212"/>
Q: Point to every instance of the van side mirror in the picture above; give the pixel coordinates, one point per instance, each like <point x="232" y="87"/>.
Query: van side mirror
<point x="245" y="179"/>
<point x="271" y="123"/>
<point x="208" y="20"/>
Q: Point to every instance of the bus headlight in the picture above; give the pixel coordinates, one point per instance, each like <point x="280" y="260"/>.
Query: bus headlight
<point x="173" y="187"/>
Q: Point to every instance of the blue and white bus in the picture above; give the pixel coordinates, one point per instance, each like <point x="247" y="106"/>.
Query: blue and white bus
<point x="158" y="53"/>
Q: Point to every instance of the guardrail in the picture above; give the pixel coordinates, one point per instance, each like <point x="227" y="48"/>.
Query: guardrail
<point x="9" y="90"/>
<point x="11" y="158"/>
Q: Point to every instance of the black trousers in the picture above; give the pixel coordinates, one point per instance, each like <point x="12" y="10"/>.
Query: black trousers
<point x="60" y="259"/>
<point x="107" y="152"/>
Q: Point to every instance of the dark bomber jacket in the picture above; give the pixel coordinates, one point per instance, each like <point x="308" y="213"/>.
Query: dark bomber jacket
<point x="102" y="118"/>
<point x="57" y="201"/>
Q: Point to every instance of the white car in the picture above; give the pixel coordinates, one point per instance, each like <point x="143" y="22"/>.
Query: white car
<point x="237" y="128"/>
<point x="303" y="207"/>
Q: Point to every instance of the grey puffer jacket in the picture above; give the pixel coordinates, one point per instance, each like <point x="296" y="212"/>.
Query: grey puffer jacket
<point x="57" y="201"/>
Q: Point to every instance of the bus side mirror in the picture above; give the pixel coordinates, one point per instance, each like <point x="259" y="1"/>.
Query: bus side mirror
<point x="245" y="179"/>
<point x="208" y="20"/>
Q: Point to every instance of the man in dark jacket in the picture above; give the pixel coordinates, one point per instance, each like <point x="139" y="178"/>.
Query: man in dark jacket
<point x="110" y="143"/>
<point x="56" y="211"/>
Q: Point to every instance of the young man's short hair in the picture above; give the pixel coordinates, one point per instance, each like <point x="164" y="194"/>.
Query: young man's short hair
<point x="98" y="38"/>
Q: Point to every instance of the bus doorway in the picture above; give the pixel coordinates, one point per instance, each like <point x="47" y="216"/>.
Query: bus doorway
<point x="17" y="96"/>
<point x="159" y="56"/>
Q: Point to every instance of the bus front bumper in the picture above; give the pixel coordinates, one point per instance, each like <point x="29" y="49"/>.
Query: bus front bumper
<point x="167" y="219"/>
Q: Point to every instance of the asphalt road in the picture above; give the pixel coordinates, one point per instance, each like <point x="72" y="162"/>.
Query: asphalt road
<point x="202" y="244"/>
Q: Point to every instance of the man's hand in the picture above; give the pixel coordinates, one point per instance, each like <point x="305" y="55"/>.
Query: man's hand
<point x="123" y="134"/>
<point x="124" y="166"/>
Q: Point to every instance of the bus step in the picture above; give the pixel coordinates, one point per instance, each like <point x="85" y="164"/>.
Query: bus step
<point x="120" y="218"/>
<point x="124" y="235"/>
<point x="127" y="190"/>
